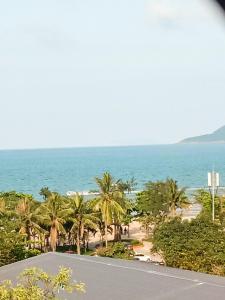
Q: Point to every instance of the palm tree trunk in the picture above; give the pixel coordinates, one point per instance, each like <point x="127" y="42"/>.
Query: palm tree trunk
<point x="146" y="230"/>
<point x="115" y="232"/>
<point x="53" y="238"/>
<point x="84" y="244"/>
<point x="101" y="239"/>
<point x="28" y="237"/>
<point x="118" y="233"/>
<point x="69" y="238"/>
<point x="173" y="211"/>
<point x="78" y="243"/>
<point x="87" y="240"/>
<point x="47" y="246"/>
<point x="106" y="231"/>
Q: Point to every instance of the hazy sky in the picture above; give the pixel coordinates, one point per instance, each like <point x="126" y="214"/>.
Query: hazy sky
<point x="109" y="72"/>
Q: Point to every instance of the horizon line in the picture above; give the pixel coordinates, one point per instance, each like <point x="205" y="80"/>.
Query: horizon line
<point x="86" y="147"/>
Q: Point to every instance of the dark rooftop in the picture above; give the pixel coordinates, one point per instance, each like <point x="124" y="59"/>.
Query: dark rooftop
<point x="109" y="279"/>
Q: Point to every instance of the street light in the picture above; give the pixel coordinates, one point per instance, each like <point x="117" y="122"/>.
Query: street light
<point x="213" y="184"/>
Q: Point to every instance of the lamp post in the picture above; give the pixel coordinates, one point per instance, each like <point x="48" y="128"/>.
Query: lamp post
<point x="213" y="184"/>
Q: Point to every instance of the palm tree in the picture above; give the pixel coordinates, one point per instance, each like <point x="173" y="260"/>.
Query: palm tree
<point x="82" y="218"/>
<point x="108" y="201"/>
<point x="147" y="220"/>
<point x="128" y="185"/>
<point x="176" y="196"/>
<point x="2" y="207"/>
<point x="45" y="192"/>
<point x="101" y="224"/>
<point x="54" y="213"/>
<point x="27" y="214"/>
<point x="127" y="218"/>
<point x="119" y="216"/>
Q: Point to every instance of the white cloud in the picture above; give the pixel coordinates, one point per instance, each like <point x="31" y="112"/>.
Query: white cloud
<point x="161" y="11"/>
<point x="176" y="11"/>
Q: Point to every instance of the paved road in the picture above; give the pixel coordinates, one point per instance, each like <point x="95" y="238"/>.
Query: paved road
<point x="109" y="279"/>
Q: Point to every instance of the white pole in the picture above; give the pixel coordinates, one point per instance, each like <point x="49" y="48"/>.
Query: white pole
<point x="209" y="179"/>
<point x="213" y="184"/>
<point x="213" y="196"/>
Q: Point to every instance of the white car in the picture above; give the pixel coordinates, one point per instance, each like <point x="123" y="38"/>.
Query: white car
<point x="142" y="257"/>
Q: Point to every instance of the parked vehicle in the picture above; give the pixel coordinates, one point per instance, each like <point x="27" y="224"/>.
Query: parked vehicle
<point x="142" y="257"/>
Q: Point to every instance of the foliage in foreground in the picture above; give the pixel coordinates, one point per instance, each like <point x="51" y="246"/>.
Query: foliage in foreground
<point x="198" y="245"/>
<point x="36" y="284"/>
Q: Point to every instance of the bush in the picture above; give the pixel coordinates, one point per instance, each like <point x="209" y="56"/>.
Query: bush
<point x="197" y="245"/>
<point x="105" y="252"/>
<point x="117" y="250"/>
<point x="11" y="243"/>
<point x="19" y="253"/>
<point x="136" y="243"/>
<point x="36" y="284"/>
<point x="32" y="253"/>
<point x="65" y="248"/>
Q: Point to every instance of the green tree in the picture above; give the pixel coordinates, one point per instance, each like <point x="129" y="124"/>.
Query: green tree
<point x="45" y="192"/>
<point x="12" y="198"/>
<point x="128" y="216"/>
<point x="161" y="198"/>
<point x="153" y="200"/>
<point x="2" y="207"/>
<point x="176" y="196"/>
<point x="11" y="242"/>
<point x="205" y="199"/>
<point x="125" y="187"/>
<point x="128" y="185"/>
<point x="197" y="245"/>
<point x="28" y="215"/>
<point x="108" y="201"/>
<point x="147" y="221"/>
<point x="82" y="217"/>
<point x="54" y="214"/>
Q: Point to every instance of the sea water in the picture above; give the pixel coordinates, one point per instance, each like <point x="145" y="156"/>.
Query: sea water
<point x="75" y="169"/>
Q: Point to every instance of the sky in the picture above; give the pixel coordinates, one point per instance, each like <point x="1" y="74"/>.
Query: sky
<point x="117" y="72"/>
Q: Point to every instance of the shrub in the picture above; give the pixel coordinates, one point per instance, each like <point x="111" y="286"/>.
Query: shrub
<point x="65" y="248"/>
<point x="11" y="243"/>
<point x="117" y="250"/>
<point x="32" y="253"/>
<point x="36" y="284"/>
<point x="197" y="245"/>
<point x="136" y="243"/>
<point x="105" y="252"/>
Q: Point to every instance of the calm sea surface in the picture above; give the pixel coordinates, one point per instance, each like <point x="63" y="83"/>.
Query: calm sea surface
<point x="75" y="169"/>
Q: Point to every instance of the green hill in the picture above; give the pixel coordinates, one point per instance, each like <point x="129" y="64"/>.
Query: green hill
<point x="217" y="136"/>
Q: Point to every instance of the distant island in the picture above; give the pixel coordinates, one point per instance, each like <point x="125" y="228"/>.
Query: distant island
<point x="217" y="136"/>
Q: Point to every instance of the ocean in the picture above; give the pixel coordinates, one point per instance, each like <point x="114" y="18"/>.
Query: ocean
<point x="75" y="169"/>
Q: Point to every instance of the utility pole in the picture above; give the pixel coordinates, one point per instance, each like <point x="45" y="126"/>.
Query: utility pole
<point x="213" y="184"/>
